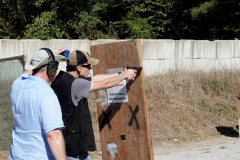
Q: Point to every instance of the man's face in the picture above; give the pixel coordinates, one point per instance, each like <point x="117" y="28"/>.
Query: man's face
<point x="85" y="69"/>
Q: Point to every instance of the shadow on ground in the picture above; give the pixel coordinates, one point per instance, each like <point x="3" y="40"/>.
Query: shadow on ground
<point x="228" y="131"/>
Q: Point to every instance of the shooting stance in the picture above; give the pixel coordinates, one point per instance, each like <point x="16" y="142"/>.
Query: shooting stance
<point x="37" y="114"/>
<point x="72" y="88"/>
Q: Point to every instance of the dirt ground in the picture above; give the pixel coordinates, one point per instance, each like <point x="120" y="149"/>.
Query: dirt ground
<point x="210" y="147"/>
<point x="220" y="148"/>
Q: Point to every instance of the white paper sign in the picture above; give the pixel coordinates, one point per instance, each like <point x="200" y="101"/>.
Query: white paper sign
<point x="118" y="93"/>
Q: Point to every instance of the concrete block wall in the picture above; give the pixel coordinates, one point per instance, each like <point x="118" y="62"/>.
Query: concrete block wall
<point x="161" y="56"/>
<point x="158" y="56"/>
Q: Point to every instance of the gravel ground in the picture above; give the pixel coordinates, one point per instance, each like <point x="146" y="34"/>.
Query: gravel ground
<point x="222" y="148"/>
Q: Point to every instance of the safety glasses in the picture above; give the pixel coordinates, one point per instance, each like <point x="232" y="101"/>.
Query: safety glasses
<point x="87" y="66"/>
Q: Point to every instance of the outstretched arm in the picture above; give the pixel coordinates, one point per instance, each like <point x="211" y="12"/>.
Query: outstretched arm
<point x="112" y="81"/>
<point x="100" y="77"/>
<point x="56" y="143"/>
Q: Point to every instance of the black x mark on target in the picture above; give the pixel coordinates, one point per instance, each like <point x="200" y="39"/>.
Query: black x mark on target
<point x="106" y="120"/>
<point x="134" y="116"/>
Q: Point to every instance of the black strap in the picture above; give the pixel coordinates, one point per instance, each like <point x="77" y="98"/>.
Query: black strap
<point x="50" y="54"/>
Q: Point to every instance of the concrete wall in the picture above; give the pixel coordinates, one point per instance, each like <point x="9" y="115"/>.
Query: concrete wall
<point x="159" y="56"/>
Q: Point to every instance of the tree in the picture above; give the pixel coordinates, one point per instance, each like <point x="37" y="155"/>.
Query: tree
<point x="44" y="26"/>
<point x="12" y="18"/>
<point x="217" y="19"/>
<point x="119" y="19"/>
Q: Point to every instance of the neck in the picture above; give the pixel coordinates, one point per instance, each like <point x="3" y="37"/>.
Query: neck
<point x="43" y="76"/>
<point x="73" y="73"/>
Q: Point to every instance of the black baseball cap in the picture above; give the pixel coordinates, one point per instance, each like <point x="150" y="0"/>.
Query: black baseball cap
<point x="78" y="57"/>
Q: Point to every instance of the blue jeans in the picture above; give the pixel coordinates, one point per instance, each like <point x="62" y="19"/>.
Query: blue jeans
<point x="80" y="156"/>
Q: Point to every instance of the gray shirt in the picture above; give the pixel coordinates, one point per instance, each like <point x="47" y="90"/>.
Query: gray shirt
<point x="80" y="89"/>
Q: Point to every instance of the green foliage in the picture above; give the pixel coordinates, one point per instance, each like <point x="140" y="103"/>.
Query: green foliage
<point x="224" y="110"/>
<point x="12" y="18"/>
<point x="44" y="27"/>
<point x="217" y="86"/>
<point x="119" y="19"/>
<point x="217" y="19"/>
<point x="204" y="8"/>
<point x="87" y="24"/>
<point x="4" y="33"/>
<point x="135" y="28"/>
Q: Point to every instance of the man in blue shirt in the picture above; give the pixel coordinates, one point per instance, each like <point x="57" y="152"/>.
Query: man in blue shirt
<point x="37" y="114"/>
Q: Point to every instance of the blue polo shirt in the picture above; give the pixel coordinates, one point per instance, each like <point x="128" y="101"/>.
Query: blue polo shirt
<point x="36" y="111"/>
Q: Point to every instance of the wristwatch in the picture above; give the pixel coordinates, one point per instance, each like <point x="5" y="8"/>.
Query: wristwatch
<point x="119" y="73"/>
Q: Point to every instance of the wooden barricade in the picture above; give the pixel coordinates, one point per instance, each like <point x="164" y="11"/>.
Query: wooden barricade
<point x="237" y="91"/>
<point x="124" y="130"/>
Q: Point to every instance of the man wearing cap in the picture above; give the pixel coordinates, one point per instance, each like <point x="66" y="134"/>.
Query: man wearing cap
<point x="37" y="114"/>
<point x="72" y="88"/>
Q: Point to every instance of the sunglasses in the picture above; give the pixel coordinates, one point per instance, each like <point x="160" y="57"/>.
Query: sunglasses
<point x="87" y="66"/>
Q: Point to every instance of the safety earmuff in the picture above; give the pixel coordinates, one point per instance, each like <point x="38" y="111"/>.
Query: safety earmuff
<point x="52" y="66"/>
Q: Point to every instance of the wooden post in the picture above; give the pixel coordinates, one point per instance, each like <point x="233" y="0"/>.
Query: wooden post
<point x="12" y="58"/>
<point x="124" y="130"/>
<point x="237" y="91"/>
<point x="22" y="59"/>
<point x="25" y="59"/>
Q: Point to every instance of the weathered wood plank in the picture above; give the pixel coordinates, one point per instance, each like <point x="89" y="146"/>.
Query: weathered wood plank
<point x="23" y="57"/>
<point x="129" y="126"/>
<point x="237" y="91"/>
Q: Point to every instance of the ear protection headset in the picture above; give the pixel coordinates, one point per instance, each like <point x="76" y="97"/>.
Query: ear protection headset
<point x="52" y="66"/>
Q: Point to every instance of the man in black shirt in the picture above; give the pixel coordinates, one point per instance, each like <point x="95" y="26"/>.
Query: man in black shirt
<point x="72" y="88"/>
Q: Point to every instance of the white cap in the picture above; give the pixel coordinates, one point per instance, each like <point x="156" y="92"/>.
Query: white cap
<point x="41" y="58"/>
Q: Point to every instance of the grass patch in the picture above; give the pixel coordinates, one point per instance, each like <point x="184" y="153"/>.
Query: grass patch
<point x="6" y="117"/>
<point x="192" y="103"/>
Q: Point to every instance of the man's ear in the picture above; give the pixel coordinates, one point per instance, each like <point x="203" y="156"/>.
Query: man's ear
<point x="79" y="68"/>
